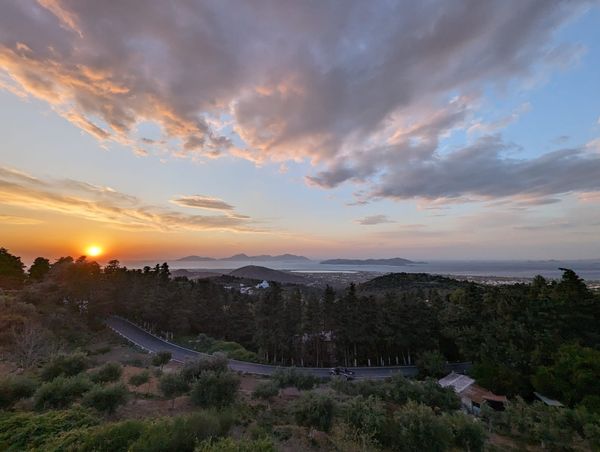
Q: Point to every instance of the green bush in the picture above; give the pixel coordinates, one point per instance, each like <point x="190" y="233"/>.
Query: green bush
<point x="176" y="434"/>
<point x="61" y="392"/>
<point x="417" y="428"/>
<point x="367" y="416"/>
<point x="173" y="385"/>
<point x="431" y="364"/>
<point x="109" y="372"/>
<point x="193" y="369"/>
<point x="25" y="431"/>
<point x="469" y="434"/>
<point x="13" y="389"/>
<point x="292" y="377"/>
<point x="314" y="410"/>
<point x="400" y="390"/>
<point x="181" y="434"/>
<point x="364" y="388"/>
<point x="231" y="445"/>
<point x="64" y="365"/>
<point x="266" y="390"/>
<point x="428" y="392"/>
<point x="139" y="379"/>
<point x="104" y="438"/>
<point x="215" y="389"/>
<point x="537" y="423"/>
<point x="161" y="358"/>
<point x="106" y="399"/>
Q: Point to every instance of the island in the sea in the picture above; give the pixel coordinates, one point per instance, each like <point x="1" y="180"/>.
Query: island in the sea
<point x="394" y="261"/>
<point x="245" y="257"/>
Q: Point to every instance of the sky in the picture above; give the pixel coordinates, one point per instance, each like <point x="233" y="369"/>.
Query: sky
<point x="441" y="129"/>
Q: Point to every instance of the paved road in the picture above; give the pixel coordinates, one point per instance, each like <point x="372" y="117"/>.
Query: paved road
<point x="153" y="344"/>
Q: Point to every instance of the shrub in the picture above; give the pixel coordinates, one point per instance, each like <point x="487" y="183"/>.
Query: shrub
<point x="64" y="365"/>
<point x="193" y="369"/>
<point x="428" y="392"/>
<point x="104" y="438"/>
<point x="231" y="445"/>
<point x="416" y="428"/>
<point x="172" y="385"/>
<point x="166" y="434"/>
<point x="592" y="434"/>
<point x="214" y="389"/>
<point x="100" y="350"/>
<point x="106" y="399"/>
<point x="161" y="358"/>
<point x="25" y="431"/>
<point x="13" y="389"/>
<point x="541" y="424"/>
<point x="367" y="416"/>
<point x="432" y="364"/>
<point x="109" y="372"/>
<point x="314" y="410"/>
<point x="181" y="434"/>
<point x="140" y="378"/>
<point x="61" y="392"/>
<point x="292" y="377"/>
<point x="468" y="432"/>
<point x="364" y="388"/>
<point x="265" y="390"/>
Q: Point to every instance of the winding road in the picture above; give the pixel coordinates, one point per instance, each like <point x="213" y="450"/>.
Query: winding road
<point x="153" y="344"/>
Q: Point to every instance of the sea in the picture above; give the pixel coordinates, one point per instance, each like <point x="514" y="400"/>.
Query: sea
<point x="586" y="269"/>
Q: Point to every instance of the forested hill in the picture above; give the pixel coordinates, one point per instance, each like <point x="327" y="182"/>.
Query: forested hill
<point x="408" y="282"/>
<point x="263" y="273"/>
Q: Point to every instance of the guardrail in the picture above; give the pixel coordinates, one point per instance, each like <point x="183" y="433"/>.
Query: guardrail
<point x="267" y="369"/>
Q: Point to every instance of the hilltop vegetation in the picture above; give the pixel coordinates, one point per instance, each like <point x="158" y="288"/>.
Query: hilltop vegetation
<point x="409" y="282"/>
<point x="263" y="273"/>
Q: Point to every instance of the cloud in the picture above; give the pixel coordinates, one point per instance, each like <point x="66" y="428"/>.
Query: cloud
<point x="11" y="219"/>
<point x="480" y="171"/>
<point x="373" y="220"/>
<point x="481" y="127"/>
<point x="202" y="202"/>
<point x="104" y="204"/>
<point x="360" y="89"/>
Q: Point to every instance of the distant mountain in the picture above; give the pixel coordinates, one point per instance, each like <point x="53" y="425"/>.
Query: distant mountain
<point x="195" y="259"/>
<point x="244" y="257"/>
<point x="267" y="258"/>
<point x="408" y="282"/>
<point x="268" y="274"/>
<point x="395" y="261"/>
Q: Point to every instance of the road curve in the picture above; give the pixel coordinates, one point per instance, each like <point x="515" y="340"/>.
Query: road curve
<point x="153" y="344"/>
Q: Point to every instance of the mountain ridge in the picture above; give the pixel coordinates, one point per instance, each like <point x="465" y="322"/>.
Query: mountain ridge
<point x="244" y="257"/>
<point x="268" y="274"/>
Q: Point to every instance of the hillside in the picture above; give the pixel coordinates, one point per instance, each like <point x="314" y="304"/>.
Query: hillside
<point x="410" y="282"/>
<point x="195" y="259"/>
<point x="267" y="258"/>
<point x="264" y="273"/>
<point x="193" y="274"/>
<point x="395" y="261"/>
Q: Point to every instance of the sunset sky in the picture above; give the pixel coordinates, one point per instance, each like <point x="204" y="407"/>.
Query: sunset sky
<point x="434" y="129"/>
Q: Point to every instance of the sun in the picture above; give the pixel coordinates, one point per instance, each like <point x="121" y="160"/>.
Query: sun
<point x="93" y="250"/>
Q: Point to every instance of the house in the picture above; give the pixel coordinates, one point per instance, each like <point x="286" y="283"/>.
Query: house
<point x="263" y="285"/>
<point x="548" y="401"/>
<point x="472" y="396"/>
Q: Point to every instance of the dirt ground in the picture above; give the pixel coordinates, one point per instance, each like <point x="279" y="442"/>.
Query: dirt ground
<point x="7" y="368"/>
